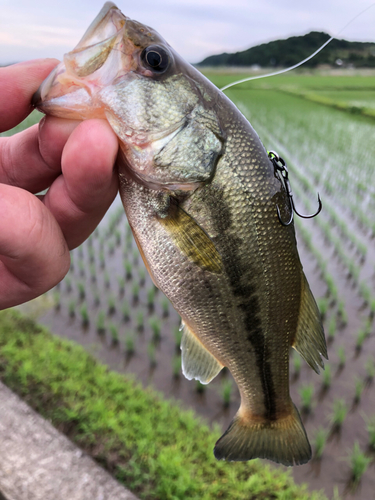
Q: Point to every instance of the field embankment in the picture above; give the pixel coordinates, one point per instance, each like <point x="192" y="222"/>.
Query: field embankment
<point x="155" y="448"/>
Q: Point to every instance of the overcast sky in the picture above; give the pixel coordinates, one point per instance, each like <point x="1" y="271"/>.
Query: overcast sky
<point x="195" y="28"/>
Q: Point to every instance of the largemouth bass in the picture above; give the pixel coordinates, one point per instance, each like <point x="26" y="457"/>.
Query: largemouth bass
<point x="200" y="194"/>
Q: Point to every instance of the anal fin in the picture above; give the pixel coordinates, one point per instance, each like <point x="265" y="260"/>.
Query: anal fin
<point x="309" y="341"/>
<point x="197" y="361"/>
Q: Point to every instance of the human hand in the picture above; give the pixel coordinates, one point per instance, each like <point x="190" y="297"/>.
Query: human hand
<point x="73" y="159"/>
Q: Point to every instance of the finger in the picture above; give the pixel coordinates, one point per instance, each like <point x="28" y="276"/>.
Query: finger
<point x="32" y="159"/>
<point x="18" y="83"/>
<point x="80" y="197"/>
<point x="33" y="253"/>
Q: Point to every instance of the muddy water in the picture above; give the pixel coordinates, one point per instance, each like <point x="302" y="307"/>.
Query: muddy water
<point x="155" y="365"/>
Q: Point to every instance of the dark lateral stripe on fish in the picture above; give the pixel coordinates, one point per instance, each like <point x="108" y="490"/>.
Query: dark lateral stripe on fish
<point x="237" y="273"/>
<point x="256" y="338"/>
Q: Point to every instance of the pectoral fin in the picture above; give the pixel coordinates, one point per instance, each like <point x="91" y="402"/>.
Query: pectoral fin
<point x="192" y="240"/>
<point x="310" y="341"/>
<point x="197" y="361"/>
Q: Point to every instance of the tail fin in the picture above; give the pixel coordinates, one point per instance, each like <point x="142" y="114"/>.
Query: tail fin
<point x="284" y="441"/>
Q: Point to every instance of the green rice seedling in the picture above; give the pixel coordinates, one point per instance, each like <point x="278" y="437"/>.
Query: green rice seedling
<point x="177" y="332"/>
<point x="111" y="247"/>
<point x="96" y="298"/>
<point x="128" y="269"/>
<point x="372" y="308"/>
<point x="91" y="254"/>
<point x="101" y="259"/>
<point x="84" y="315"/>
<point x="125" y="312"/>
<point x="72" y="308"/>
<point x="156" y="329"/>
<point x="114" y="333"/>
<point x="107" y="279"/>
<point x="151" y="298"/>
<point x="135" y="292"/>
<point x="71" y="267"/>
<point x="323" y="307"/>
<point x="365" y="292"/>
<point x="165" y="307"/>
<point x="176" y="365"/>
<point x="297" y="362"/>
<point x="81" y="290"/>
<point x="142" y="276"/>
<point x="332" y="328"/>
<point x="320" y="442"/>
<point x="370" y="426"/>
<point x="359" y="386"/>
<point x="306" y="393"/>
<point x="226" y="392"/>
<point x="81" y="268"/>
<point x="359" y="463"/>
<point x="92" y="273"/>
<point x="342" y="356"/>
<point x="199" y="387"/>
<point x="342" y="314"/>
<point x="111" y="305"/>
<point x="121" y="285"/>
<point x="57" y="300"/>
<point x="129" y="344"/>
<point x="140" y="321"/>
<point x="151" y="351"/>
<point x="370" y="369"/>
<point x="361" y="337"/>
<point x="118" y="237"/>
<point x="100" y="323"/>
<point x="135" y="256"/>
<point x="327" y="377"/>
<point x="68" y="283"/>
<point x="339" y="413"/>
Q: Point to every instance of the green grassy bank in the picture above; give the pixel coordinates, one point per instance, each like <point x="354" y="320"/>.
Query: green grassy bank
<point x="158" y="450"/>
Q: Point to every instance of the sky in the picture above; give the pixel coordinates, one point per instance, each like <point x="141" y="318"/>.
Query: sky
<point x="194" y="28"/>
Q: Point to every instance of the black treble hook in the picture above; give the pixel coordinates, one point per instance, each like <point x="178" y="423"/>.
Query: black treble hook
<point x="280" y="166"/>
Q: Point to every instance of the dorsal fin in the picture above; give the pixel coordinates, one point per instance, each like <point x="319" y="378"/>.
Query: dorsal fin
<point x="197" y="361"/>
<point x="309" y="340"/>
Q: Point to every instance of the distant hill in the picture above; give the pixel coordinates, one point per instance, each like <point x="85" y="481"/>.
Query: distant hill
<point x="288" y="52"/>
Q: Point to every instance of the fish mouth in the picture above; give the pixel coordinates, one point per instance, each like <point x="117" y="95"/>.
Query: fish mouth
<point x="104" y="54"/>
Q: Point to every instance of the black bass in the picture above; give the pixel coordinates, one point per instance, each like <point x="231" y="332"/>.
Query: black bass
<point x="200" y="194"/>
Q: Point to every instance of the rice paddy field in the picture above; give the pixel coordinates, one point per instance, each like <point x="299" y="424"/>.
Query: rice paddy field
<point x="323" y="125"/>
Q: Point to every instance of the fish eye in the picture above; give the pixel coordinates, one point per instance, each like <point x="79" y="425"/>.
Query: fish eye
<point x="156" y="58"/>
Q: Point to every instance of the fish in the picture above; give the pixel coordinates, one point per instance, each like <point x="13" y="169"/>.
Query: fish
<point x="203" y="201"/>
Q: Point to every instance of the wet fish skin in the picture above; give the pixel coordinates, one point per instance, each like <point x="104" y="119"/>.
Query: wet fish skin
<point x="200" y="194"/>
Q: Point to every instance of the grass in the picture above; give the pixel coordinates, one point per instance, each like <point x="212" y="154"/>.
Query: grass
<point x="370" y="425"/>
<point x="158" y="450"/>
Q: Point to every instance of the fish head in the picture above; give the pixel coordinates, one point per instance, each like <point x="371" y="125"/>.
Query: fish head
<point x="160" y="107"/>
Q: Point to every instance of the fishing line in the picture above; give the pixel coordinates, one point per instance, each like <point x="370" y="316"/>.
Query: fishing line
<point x="300" y="63"/>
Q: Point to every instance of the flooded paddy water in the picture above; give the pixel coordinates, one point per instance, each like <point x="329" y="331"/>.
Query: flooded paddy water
<point x="108" y="303"/>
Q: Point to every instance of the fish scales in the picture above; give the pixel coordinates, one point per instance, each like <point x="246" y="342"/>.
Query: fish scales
<point x="200" y="194"/>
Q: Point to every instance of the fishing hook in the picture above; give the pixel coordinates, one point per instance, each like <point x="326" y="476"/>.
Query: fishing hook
<point x="280" y="166"/>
